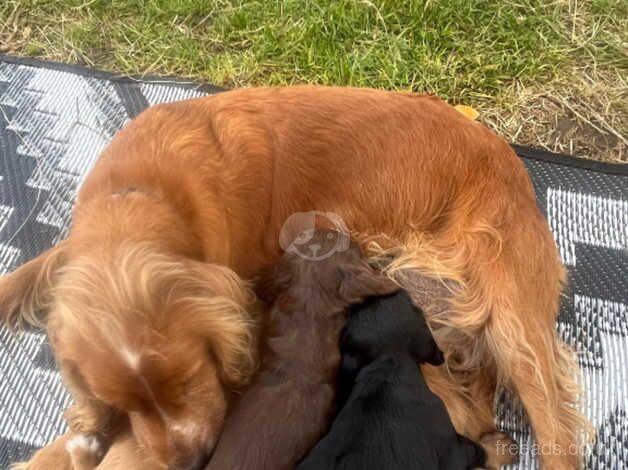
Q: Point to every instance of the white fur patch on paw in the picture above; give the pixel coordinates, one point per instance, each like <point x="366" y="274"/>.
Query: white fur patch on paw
<point x="80" y="442"/>
<point x="19" y="466"/>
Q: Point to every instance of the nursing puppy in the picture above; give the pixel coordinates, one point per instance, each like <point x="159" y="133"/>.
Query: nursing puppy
<point x="389" y="418"/>
<point x="290" y="404"/>
<point x="146" y="301"/>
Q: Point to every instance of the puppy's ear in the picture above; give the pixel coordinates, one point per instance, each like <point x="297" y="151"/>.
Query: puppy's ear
<point x="424" y="348"/>
<point x="437" y="357"/>
<point x="25" y="292"/>
<point x="350" y="366"/>
<point x="360" y="281"/>
<point x="225" y="313"/>
<point x="274" y="279"/>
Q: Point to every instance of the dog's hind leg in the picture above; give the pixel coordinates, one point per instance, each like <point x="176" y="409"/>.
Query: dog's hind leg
<point x="521" y="290"/>
<point x="499" y="450"/>
<point x="541" y="371"/>
<point x="497" y="328"/>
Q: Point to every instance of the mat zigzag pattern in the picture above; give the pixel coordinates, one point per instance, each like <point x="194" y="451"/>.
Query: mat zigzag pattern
<point x="55" y="120"/>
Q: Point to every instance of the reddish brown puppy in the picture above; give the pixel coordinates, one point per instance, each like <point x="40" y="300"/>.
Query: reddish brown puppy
<point x="148" y="312"/>
<point x="290" y="404"/>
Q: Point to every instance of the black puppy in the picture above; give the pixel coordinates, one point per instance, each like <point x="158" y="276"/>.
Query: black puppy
<point x="389" y="419"/>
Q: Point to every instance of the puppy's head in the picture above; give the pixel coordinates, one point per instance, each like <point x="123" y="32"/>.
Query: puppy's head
<point x="339" y="277"/>
<point x="154" y="337"/>
<point x="387" y="325"/>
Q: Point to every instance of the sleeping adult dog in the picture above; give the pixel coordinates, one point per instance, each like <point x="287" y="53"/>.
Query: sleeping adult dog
<point x="146" y="305"/>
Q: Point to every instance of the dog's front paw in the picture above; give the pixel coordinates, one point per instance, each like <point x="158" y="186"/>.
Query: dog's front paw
<point x="20" y="466"/>
<point x="53" y="456"/>
<point x="500" y="449"/>
<point x="85" y="451"/>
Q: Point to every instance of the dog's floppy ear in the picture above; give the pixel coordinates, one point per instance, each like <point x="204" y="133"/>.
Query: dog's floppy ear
<point x="360" y="281"/>
<point x="224" y="312"/>
<point x="25" y="292"/>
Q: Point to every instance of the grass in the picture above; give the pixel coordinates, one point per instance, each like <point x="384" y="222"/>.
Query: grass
<point x="545" y="72"/>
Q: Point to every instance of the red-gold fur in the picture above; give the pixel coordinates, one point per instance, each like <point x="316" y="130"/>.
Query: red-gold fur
<point x="212" y="180"/>
<point x="124" y="454"/>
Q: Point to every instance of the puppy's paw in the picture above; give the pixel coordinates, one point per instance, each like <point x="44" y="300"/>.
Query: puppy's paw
<point x="500" y="450"/>
<point x="85" y="451"/>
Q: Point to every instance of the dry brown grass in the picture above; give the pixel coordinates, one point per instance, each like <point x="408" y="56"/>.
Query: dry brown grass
<point x="583" y="110"/>
<point x="585" y="115"/>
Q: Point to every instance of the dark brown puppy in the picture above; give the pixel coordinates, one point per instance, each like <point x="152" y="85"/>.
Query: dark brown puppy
<point x="290" y="404"/>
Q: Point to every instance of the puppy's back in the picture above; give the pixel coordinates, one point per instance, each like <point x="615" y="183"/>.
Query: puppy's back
<point x="380" y="425"/>
<point x="393" y="421"/>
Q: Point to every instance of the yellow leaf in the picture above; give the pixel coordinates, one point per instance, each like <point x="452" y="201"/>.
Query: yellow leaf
<point x="468" y="111"/>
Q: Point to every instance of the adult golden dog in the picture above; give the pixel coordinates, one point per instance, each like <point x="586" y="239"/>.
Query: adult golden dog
<point x="148" y="312"/>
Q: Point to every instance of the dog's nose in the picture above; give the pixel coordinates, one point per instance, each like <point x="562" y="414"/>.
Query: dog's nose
<point x="195" y="462"/>
<point x="183" y="456"/>
<point x="199" y="463"/>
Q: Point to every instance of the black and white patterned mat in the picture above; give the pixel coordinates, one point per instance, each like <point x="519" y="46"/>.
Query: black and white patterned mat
<point x="54" y="121"/>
